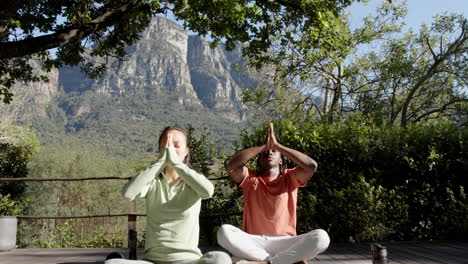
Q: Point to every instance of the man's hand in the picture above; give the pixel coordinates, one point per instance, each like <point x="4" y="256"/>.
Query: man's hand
<point x="271" y="143"/>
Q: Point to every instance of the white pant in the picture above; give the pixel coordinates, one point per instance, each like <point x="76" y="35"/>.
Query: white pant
<point x="276" y="249"/>
<point x="212" y="257"/>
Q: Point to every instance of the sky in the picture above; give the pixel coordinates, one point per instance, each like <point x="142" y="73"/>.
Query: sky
<point x="419" y="11"/>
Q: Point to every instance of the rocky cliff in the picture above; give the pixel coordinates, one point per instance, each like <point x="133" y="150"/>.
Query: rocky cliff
<point x="31" y="98"/>
<point x="168" y="61"/>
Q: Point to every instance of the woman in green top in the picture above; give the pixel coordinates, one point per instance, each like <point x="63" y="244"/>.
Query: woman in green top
<point x="173" y="193"/>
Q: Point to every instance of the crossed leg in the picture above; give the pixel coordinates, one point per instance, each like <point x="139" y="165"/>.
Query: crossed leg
<point x="272" y="249"/>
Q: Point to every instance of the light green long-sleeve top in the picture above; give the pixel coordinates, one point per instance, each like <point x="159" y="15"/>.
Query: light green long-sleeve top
<point x="172" y="226"/>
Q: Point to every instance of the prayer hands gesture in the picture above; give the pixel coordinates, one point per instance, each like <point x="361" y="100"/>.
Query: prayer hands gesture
<point x="169" y="142"/>
<point x="271" y="142"/>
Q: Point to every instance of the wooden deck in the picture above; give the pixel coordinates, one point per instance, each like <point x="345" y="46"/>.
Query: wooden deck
<point x="448" y="252"/>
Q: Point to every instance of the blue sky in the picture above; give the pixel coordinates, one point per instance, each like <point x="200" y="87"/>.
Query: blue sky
<point x="419" y="11"/>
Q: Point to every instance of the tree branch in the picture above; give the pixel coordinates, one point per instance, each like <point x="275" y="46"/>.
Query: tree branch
<point x="286" y="4"/>
<point x="33" y="45"/>
<point x="453" y="47"/>
<point x="430" y="48"/>
<point x="440" y="109"/>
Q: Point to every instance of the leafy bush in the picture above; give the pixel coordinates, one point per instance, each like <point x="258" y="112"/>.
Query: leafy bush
<point x="17" y="146"/>
<point x="360" y="212"/>
<point x="66" y="236"/>
<point x="10" y="207"/>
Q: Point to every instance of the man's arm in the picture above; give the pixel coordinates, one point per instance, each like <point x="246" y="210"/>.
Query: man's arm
<point x="306" y="166"/>
<point x="235" y="164"/>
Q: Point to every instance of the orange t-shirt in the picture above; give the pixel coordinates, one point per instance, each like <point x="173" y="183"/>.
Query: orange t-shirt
<point x="270" y="203"/>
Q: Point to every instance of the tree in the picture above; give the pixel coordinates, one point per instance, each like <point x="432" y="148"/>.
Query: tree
<point x="419" y="76"/>
<point x="404" y="77"/>
<point x="315" y="81"/>
<point x="79" y="29"/>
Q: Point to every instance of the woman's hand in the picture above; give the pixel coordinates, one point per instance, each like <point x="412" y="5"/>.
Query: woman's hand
<point x="169" y="142"/>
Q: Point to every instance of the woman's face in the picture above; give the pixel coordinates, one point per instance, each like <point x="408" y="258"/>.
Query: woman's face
<point x="177" y="140"/>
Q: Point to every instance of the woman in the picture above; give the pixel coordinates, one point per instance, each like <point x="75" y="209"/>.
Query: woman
<point x="173" y="193"/>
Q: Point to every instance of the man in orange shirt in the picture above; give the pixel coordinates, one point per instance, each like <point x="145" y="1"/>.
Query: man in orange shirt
<point x="270" y="200"/>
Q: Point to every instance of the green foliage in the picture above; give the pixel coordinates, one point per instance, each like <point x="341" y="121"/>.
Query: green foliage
<point x="10" y="207"/>
<point x="218" y="209"/>
<point x="66" y="236"/>
<point x="17" y="145"/>
<point x="372" y="212"/>
<point x="406" y="77"/>
<point x="65" y="198"/>
<point x="303" y="72"/>
<point x="420" y="75"/>
<point x="202" y="150"/>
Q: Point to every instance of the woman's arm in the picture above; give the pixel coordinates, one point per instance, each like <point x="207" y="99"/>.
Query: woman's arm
<point x="199" y="183"/>
<point x="136" y="185"/>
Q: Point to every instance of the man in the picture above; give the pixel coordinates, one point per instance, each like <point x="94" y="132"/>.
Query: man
<point x="270" y="201"/>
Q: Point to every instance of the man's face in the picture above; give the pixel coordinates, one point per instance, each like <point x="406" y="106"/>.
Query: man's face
<point x="270" y="159"/>
<point x="178" y="140"/>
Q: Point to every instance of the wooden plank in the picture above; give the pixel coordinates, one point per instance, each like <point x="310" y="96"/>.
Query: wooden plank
<point x="59" y="255"/>
<point x="432" y="253"/>
<point x="453" y="247"/>
<point x="438" y="251"/>
<point x="341" y="255"/>
<point x="411" y="254"/>
<point x="332" y="256"/>
<point x="362" y="249"/>
<point x="323" y="257"/>
<point x="392" y="257"/>
<point x="351" y="251"/>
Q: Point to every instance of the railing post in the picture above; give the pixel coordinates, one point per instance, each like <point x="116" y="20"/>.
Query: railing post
<point x="132" y="233"/>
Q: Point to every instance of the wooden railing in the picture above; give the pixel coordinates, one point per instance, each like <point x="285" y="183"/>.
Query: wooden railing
<point x="131" y="215"/>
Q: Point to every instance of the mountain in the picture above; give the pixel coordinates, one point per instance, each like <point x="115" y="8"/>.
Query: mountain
<point x="167" y="78"/>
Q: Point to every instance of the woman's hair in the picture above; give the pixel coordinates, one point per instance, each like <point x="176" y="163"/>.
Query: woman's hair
<point x="169" y="128"/>
<point x="260" y="169"/>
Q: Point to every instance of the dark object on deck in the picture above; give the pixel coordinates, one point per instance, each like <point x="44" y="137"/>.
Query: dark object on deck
<point x="379" y="254"/>
<point x="115" y="255"/>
